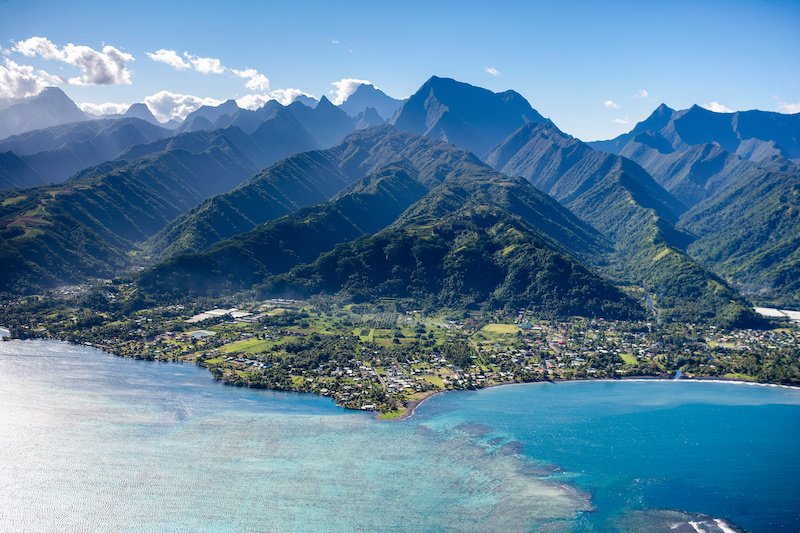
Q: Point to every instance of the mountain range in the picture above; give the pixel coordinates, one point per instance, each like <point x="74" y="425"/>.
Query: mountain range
<point x="368" y="96"/>
<point x="51" y="107"/>
<point x="470" y="117"/>
<point x="456" y="197"/>
<point x="737" y="174"/>
<point x="54" y="154"/>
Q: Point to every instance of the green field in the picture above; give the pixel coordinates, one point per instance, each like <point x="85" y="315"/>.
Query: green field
<point x="392" y="415"/>
<point x="13" y="200"/>
<point x="715" y="344"/>
<point x="502" y="329"/>
<point x="247" y="346"/>
<point x="628" y="359"/>
<point x="434" y="380"/>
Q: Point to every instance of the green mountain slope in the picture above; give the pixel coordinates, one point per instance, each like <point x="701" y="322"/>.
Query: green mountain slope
<point x="274" y="247"/>
<point x="476" y="255"/>
<point x="369" y="205"/>
<point x="622" y="201"/>
<point x="692" y="175"/>
<point x="732" y="170"/>
<point x="750" y="234"/>
<point x="86" y="227"/>
<point x="301" y="181"/>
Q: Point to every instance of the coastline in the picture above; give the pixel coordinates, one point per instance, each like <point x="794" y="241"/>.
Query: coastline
<point x="413" y="405"/>
<point x="442" y="411"/>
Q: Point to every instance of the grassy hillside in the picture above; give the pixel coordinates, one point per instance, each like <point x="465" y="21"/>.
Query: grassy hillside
<point x="623" y="202"/>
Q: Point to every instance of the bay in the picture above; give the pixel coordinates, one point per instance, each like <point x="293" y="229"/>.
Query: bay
<point x="92" y="442"/>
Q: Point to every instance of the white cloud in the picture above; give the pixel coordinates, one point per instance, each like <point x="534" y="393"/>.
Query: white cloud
<point x="253" y="101"/>
<point x="166" y="105"/>
<point x="169" y="57"/>
<point x="610" y="104"/>
<point x="255" y="80"/>
<point x="641" y="94"/>
<point x="22" y="81"/>
<point x="39" y="46"/>
<point x="345" y="87"/>
<point x="106" y="67"/>
<point x="283" y="96"/>
<point x="287" y="96"/>
<point x="492" y="71"/>
<point x="789" y="107"/>
<point x="716" y="107"/>
<point x="205" y="65"/>
<point x="624" y="121"/>
<point x="107" y="108"/>
<point x="334" y="41"/>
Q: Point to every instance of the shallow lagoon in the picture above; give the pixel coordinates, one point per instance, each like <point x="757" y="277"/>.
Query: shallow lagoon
<point x="94" y="442"/>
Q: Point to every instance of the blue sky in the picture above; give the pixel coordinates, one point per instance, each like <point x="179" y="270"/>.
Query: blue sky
<point x="595" y="68"/>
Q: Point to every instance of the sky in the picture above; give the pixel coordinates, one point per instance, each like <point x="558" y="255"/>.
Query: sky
<point x="594" y="68"/>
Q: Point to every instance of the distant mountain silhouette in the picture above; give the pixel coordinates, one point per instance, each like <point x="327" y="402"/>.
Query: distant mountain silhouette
<point x="327" y="123"/>
<point x="58" y="152"/>
<point x="51" y="107"/>
<point x="15" y="173"/>
<point x="469" y="117"/>
<point x="753" y="135"/>
<point x="365" y="96"/>
<point x="276" y="137"/>
<point x="141" y="111"/>
<point x="368" y="118"/>
<point x="205" y="117"/>
<point x="307" y="101"/>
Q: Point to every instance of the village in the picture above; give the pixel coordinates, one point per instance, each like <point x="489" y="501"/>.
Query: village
<point x="387" y="357"/>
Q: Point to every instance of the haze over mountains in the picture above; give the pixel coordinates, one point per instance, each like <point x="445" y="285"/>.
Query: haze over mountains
<point x="51" y="107"/>
<point x="368" y="96"/>
<point x="455" y="197"/>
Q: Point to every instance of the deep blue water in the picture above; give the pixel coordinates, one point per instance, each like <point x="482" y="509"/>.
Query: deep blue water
<point x="725" y="450"/>
<point x="89" y="441"/>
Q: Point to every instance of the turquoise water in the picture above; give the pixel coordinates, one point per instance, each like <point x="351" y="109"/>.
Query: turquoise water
<point x="92" y="442"/>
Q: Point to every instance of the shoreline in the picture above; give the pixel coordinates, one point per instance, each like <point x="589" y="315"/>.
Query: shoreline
<point x="412" y="407"/>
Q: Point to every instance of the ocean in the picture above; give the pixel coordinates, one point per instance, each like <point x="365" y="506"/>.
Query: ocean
<point x="93" y="442"/>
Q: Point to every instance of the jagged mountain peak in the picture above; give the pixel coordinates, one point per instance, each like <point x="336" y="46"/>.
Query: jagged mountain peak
<point x="367" y="95"/>
<point x="51" y="107"/>
<point x="324" y="103"/>
<point x="470" y="117"/>
<point x="141" y="111"/>
<point x="368" y="118"/>
<point x="52" y="93"/>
